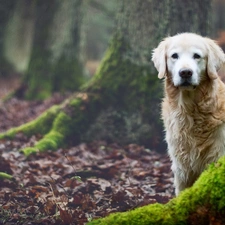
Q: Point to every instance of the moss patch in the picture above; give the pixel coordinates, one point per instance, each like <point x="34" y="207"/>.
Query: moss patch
<point x="70" y="121"/>
<point x="208" y="192"/>
<point x="5" y="176"/>
<point x="40" y="125"/>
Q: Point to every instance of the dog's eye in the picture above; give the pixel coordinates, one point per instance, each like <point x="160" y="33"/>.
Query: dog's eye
<point x="174" y="56"/>
<point x="196" y="56"/>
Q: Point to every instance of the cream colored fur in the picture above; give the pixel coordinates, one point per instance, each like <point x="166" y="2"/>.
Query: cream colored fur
<point x="193" y="114"/>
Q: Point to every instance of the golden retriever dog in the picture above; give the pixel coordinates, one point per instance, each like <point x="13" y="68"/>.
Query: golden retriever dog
<point x="193" y="108"/>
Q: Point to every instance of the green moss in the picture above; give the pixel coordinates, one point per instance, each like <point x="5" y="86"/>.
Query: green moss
<point x="41" y="125"/>
<point x="51" y="141"/>
<point x="208" y="191"/>
<point x="118" y="76"/>
<point x="63" y="127"/>
<point x="29" y="150"/>
<point x="5" y="176"/>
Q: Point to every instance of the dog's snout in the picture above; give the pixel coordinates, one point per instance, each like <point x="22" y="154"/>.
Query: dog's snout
<point x="185" y="73"/>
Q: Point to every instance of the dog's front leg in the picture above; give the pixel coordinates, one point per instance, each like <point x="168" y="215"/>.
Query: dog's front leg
<point x="179" y="183"/>
<point x="182" y="178"/>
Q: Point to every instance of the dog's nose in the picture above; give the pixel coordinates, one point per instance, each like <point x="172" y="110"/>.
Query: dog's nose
<point x="185" y="73"/>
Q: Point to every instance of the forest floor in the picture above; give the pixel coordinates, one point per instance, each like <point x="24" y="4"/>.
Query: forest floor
<point x="77" y="184"/>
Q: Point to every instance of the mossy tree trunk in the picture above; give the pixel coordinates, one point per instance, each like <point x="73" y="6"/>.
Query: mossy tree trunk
<point x="121" y="102"/>
<point x="55" y="63"/>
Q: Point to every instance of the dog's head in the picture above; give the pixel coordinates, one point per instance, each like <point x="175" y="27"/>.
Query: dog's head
<point x="188" y="58"/>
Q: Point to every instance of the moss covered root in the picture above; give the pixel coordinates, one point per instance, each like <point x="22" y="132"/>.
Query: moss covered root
<point x="5" y="176"/>
<point x="54" y="138"/>
<point x="40" y="125"/>
<point x="60" y="124"/>
<point x="207" y="193"/>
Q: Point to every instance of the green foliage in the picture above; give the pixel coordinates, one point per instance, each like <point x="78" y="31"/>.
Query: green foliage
<point x="208" y="191"/>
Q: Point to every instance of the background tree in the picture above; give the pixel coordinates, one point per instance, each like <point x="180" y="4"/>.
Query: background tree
<point x="18" y="35"/>
<point x="100" y="22"/>
<point x="6" y="8"/>
<point x="121" y="102"/>
<point x="55" y="63"/>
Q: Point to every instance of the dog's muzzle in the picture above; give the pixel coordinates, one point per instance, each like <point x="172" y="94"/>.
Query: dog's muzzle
<point x="186" y="75"/>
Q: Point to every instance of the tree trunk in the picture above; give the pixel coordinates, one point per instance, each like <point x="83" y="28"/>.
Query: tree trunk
<point x="55" y="63"/>
<point x="6" y="10"/>
<point x="18" y="35"/>
<point x="121" y="102"/>
<point x="190" y="16"/>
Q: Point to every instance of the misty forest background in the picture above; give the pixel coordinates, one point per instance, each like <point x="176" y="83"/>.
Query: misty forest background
<point x="52" y="47"/>
<point x="76" y="77"/>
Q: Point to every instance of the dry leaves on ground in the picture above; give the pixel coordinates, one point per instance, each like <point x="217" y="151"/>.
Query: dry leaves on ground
<point x="74" y="185"/>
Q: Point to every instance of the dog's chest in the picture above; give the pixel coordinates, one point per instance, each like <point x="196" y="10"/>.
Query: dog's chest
<point x="194" y="136"/>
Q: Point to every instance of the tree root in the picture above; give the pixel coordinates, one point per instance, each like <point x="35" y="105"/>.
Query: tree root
<point x="59" y="124"/>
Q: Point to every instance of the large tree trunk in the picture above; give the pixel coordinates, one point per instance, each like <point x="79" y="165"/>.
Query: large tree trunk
<point x="55" y="63"/>
<point x="121" y="102"/>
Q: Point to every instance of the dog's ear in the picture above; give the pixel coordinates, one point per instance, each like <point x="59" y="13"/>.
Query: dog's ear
<point x="159" y="58"/>
<point x="216" y="58"/>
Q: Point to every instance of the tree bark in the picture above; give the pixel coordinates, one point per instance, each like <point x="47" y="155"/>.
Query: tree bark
<point x="55" y="63"/>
